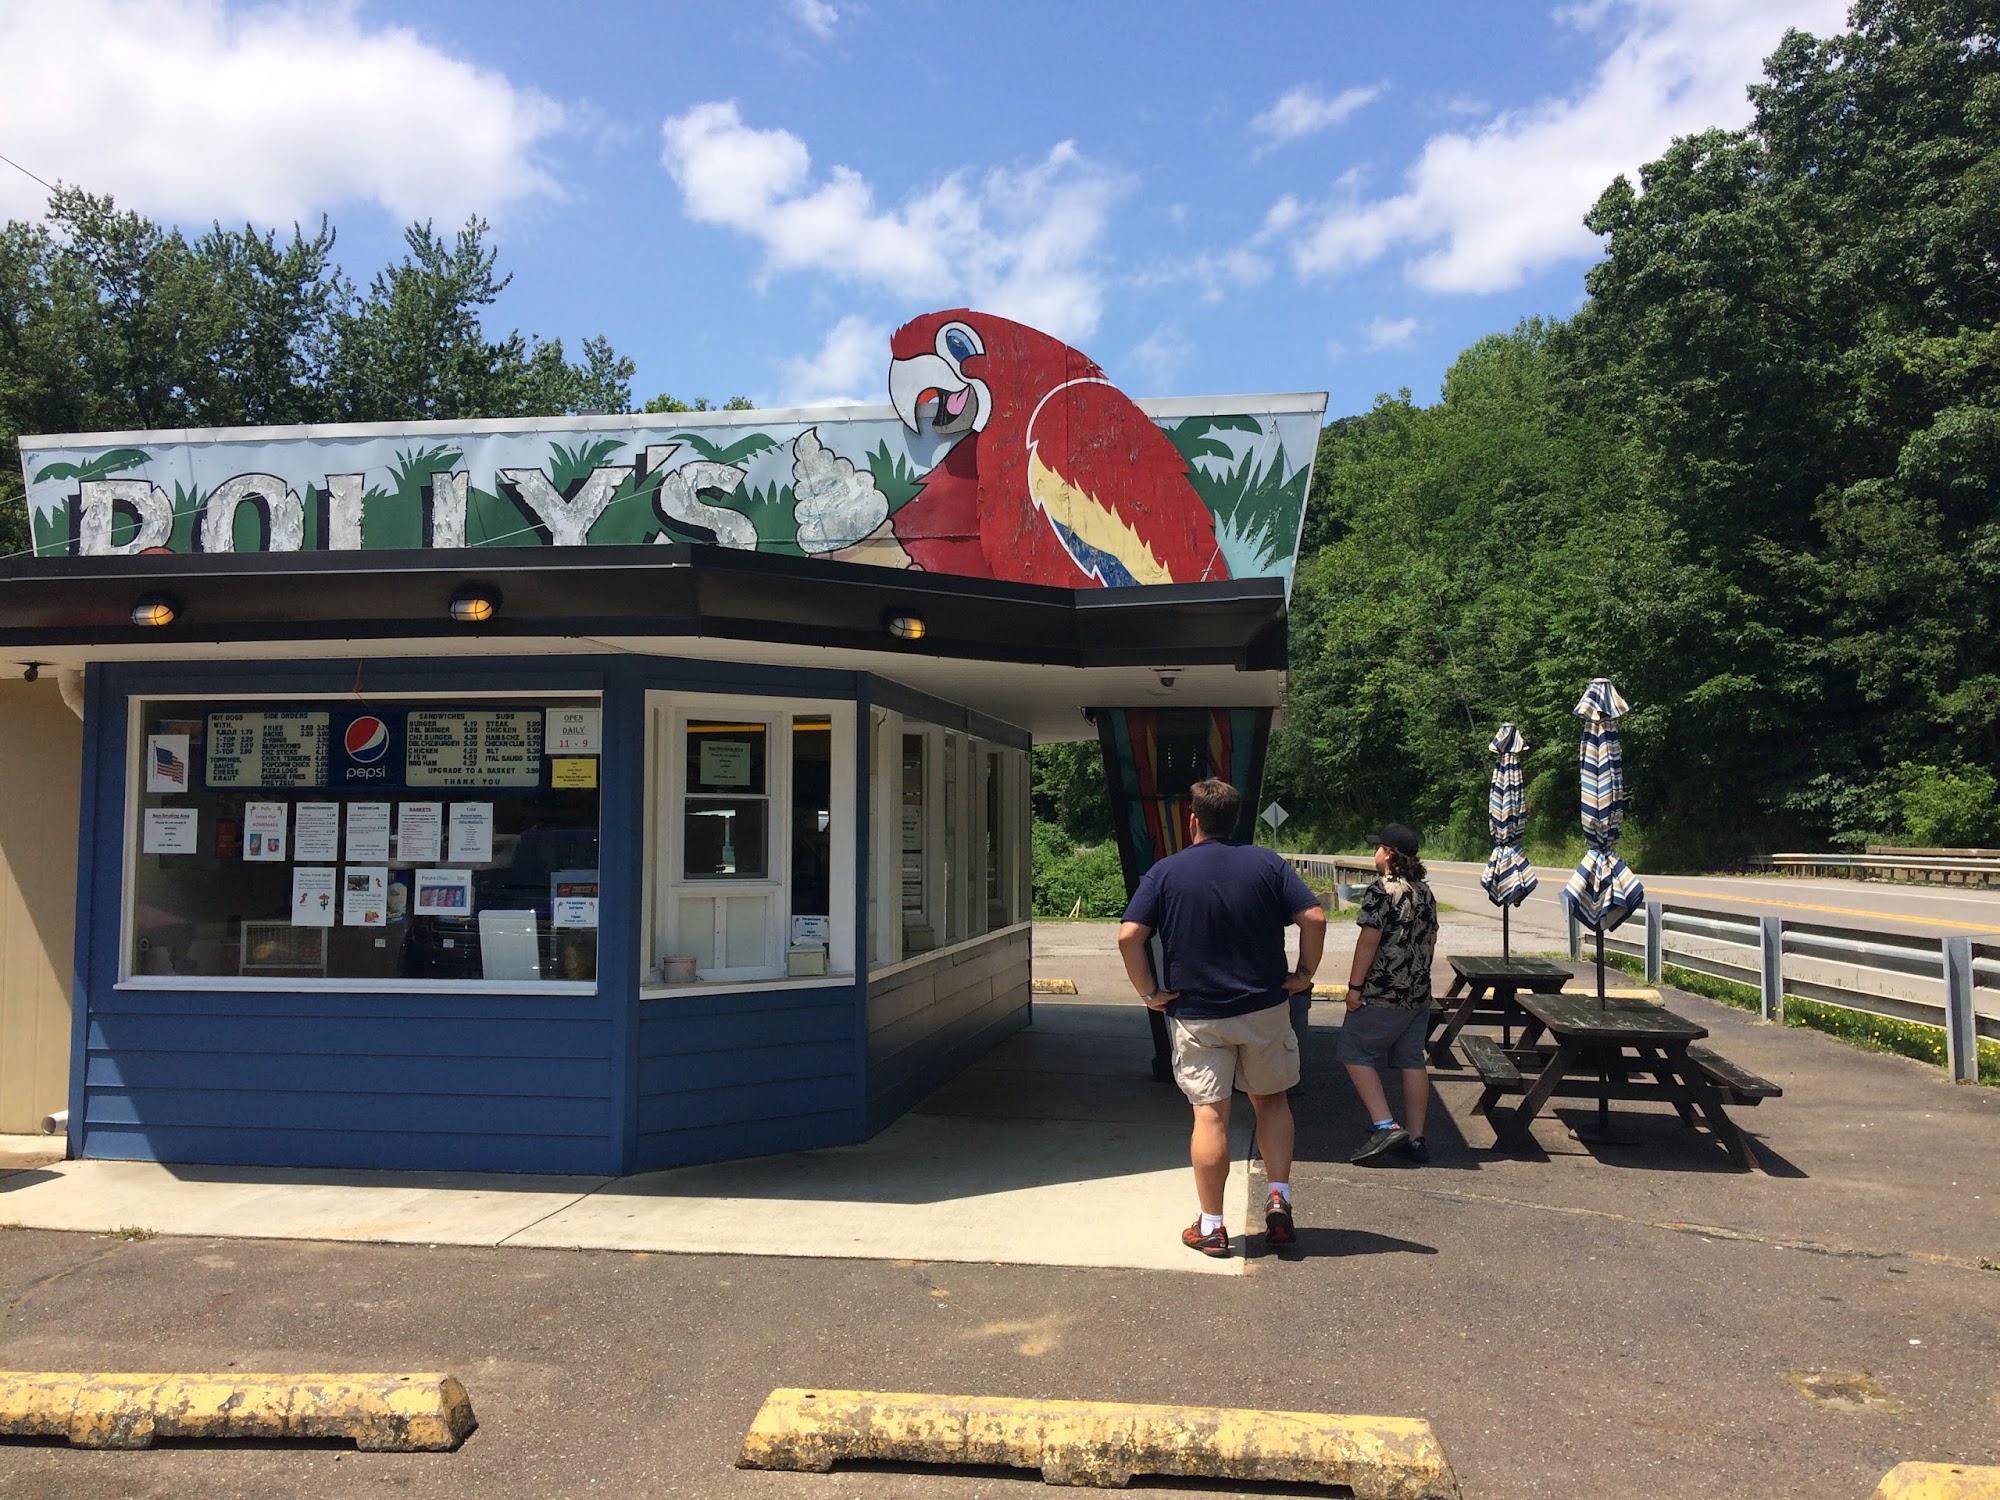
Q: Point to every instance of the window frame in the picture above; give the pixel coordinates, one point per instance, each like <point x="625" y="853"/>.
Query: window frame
<point x="665" y="885"/>
<point x="134" y="822"/>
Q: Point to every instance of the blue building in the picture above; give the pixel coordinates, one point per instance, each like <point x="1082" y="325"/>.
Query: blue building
<point x="590" y="794"/>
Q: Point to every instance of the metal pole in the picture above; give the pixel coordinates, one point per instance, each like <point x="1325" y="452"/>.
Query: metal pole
<point x="1600" y="966"/>
<point x="1505" y="950"/>
<point x="1771" y="967"/>
<point x="1961" y="1027"/>
<point x="1655" y="920"/>
<point x="1575" y="932"/>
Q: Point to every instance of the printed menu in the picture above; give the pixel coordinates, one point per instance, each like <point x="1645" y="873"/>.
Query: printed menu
<point x="474" y="747"/>
<point x="280" y="748"/>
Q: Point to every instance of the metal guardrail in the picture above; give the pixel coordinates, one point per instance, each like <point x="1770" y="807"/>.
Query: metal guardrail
<point x="1957" y="964"/>
<point x="1914" y="865"/>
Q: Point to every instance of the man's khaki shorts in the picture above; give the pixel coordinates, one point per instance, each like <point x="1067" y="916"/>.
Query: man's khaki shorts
<point x="1258" y="1053"/>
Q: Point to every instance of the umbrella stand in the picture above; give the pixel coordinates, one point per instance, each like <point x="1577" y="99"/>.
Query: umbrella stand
<point x="1603" y="1135"/>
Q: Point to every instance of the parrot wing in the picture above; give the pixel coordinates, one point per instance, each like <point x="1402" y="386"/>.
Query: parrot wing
<point x="1115" y="491"/>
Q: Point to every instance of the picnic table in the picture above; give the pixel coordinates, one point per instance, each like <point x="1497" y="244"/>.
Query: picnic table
<point x="1484" y="987"/>
<point x="1614" y="1049"/>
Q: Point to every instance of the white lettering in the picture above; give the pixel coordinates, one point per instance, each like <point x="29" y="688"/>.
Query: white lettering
<point x="444" y="519"/>
<point x="568" y="521"/>
<point x="100" y="499"/>
<point x="344" y="493"/>
<point x="676" y="500"/>
<point x="284" y="514"/>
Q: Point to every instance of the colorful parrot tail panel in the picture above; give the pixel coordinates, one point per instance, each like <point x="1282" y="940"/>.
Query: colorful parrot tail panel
<point x="1153" y="756"/>
<point x="1003" y="453"/>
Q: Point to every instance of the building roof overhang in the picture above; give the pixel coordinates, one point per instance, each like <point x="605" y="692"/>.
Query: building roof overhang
<point x="659" y="591"/>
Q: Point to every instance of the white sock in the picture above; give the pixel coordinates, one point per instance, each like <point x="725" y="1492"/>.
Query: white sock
<point x="1210" y="1223"/>
<point x="1283" y="1190"/>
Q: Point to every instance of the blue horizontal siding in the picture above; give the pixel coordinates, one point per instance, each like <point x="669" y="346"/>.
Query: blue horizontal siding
<point x="486" y="1149"/>
<point x="428" y="1078"/>
<point x="240" y="1108"/>
<point x="746" y="1074"/>
<point x="519" y="1077"/>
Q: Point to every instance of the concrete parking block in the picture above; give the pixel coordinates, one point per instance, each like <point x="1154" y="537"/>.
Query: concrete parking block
<point x="1101" y="1444"/>
<point x="424" y="1413"/>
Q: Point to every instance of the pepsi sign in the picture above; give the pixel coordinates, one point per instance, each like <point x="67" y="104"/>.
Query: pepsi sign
<point x="361" y="756"/>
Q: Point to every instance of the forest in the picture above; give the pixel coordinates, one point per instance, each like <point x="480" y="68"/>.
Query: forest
<point x="1752" y="479"/>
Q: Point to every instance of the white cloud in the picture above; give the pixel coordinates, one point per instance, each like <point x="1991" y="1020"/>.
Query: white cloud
<point x="1389" y="333"/>
<point x="848" y="370"/>
<point x="816" y="16"/>
<point x="1020" y="242"/>
<point x="1159" y="358"/>
<point x="194" y="109"/>
<point x="1305" y="111"/>
<point x="1483" y="211"/>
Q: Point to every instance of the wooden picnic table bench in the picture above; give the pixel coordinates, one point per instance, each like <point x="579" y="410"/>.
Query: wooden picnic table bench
<point x="1483" y="988"/>
<point x="1613" y="1049"/>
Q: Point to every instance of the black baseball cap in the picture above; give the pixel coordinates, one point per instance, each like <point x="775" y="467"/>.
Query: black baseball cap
<point x="1398" y="837"/>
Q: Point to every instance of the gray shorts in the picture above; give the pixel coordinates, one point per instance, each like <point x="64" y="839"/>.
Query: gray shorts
<point x="1379" y="1035"/>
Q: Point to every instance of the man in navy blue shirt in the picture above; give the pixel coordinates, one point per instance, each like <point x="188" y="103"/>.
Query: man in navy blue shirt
<point x="1221" y="909"/>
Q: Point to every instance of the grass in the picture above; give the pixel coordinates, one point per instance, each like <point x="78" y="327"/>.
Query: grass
<point x="1873" y="1033"/>
<point x="132" y="1234"/>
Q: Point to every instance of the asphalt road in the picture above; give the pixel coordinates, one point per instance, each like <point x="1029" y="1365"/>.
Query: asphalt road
<point x="1576" y="1322"/>
<point x="1933" y="911"/>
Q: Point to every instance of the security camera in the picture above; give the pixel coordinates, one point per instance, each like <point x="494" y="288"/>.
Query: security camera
<point x="31" y="671"/>
<point x="1167" y="679"/>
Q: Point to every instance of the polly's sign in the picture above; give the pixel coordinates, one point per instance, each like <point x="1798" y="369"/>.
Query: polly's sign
<point x="1004" y="454"/>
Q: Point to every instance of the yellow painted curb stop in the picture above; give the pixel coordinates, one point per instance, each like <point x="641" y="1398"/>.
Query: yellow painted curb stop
<point x="1939" y="1482"/>
<point x="382" y="1413"/>
<point x="1052" y="986"/>
<point x="1101" y="1444"/>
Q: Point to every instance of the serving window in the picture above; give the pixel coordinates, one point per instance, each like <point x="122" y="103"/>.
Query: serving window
<point x="948" y="859"/>
<point x="406" y="841"/>
<point x="751" y="839"/>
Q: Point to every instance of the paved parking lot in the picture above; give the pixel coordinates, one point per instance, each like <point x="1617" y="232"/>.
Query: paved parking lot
<point x="1575" y="1322"/>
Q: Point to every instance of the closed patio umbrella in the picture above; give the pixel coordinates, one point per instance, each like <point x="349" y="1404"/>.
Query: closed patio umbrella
<point x="1508" y="878"/>
<point x="1603" y="892"/>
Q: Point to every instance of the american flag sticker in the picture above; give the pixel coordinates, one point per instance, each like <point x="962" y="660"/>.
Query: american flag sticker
<point x="166" y="763"/>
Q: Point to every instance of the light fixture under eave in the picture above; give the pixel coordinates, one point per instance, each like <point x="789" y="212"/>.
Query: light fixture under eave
<point x="906" y="627"/>
<point x="475" y="606"/>
<point x="155" y="610"/>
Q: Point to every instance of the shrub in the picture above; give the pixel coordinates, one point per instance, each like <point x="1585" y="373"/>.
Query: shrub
<point x="1085" y="880"/>
<point x="1948" y="808"/>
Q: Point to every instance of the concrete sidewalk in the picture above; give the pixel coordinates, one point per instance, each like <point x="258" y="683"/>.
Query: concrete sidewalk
<point x="1055" y="1149"/>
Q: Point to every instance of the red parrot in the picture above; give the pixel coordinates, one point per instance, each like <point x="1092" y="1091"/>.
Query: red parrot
<point x="1055" y="477"/>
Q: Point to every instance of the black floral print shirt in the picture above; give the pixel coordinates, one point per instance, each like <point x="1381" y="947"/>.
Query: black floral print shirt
<point x="1407" y="914"/>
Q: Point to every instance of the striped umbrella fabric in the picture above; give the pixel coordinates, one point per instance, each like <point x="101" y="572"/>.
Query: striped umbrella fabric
<point x="1603" y="892"/>
<point x="1508" y="878"/>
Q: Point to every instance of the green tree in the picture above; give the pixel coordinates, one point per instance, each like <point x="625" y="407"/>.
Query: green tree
<point x="1798" y="321"/>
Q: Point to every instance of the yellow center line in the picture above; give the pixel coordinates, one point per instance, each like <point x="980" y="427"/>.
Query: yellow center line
<point x="1839" y="911"/>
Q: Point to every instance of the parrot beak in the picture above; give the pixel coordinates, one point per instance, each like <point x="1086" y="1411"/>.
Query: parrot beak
<point x="962" y="405"/>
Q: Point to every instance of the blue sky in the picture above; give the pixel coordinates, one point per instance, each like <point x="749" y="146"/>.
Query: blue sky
<point x="747" y="198"/>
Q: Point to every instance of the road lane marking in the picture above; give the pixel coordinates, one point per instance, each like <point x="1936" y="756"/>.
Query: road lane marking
<point x="1839" y="911"/>
<point x="1723" y="898"/>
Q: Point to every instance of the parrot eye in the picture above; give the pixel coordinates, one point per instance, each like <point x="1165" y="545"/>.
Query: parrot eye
<point x="960" y="343"/>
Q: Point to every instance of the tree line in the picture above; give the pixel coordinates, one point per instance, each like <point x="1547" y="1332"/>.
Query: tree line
<point x="112" y="322"/>
<point x="1753" y="481"/>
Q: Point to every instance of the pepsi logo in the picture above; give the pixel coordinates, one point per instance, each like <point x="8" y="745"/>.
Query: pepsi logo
<point x="367" y="739"/>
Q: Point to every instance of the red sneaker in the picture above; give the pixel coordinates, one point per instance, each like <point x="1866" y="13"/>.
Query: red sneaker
<point x="1215" y="1242"/>
<point x="1278" y="1229"/>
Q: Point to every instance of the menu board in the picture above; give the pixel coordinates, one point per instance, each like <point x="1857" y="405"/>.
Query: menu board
<point x="281" y="748"/>
<point x="474" y="747"/>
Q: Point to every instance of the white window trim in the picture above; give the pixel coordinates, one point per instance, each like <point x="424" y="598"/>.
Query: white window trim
<point x="667" y="714"/>
<point x="135" y="782"/>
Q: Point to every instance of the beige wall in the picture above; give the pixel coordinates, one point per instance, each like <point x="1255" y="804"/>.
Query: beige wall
<point x="41" y="755"/>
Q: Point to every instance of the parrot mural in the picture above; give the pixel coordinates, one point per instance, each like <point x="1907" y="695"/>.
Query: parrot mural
<point x="1055" y="475"/>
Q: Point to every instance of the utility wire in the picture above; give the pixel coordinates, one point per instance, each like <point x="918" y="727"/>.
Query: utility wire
<point x="26" y="173"/>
